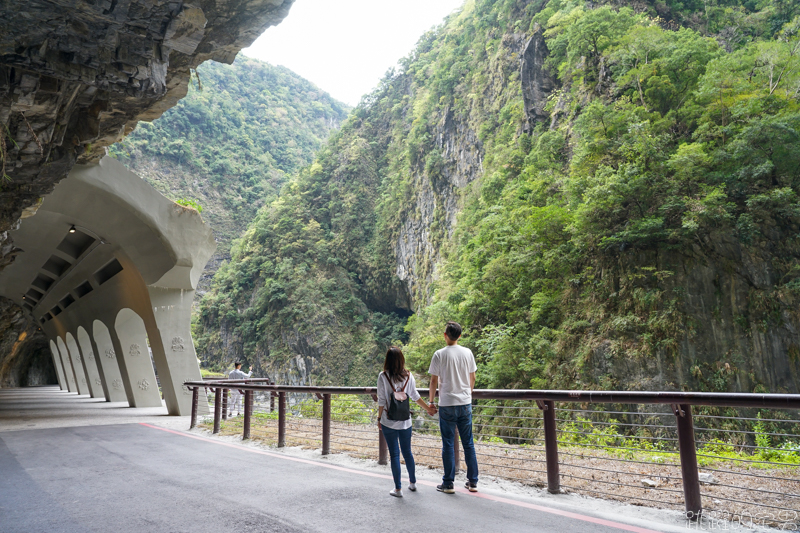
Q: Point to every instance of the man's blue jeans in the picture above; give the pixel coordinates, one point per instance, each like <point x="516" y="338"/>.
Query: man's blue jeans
<point x="397" y="440"/>
<point x="450" y="418"/>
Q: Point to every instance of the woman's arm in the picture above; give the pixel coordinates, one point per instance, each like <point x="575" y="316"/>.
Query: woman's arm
<point x="429" y="408"/>
<point x="412" y="392"/>
<point x="381" y="398"/>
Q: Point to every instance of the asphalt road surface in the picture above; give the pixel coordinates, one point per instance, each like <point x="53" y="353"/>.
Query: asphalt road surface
<point x="141" y="478"/>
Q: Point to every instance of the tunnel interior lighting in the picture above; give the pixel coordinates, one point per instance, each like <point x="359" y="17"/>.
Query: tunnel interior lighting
<point x="72" y="229"/>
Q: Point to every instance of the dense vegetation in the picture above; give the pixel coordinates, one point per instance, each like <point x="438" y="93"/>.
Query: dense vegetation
<point x="231" y="143"/>
<point x="672" y="140"/>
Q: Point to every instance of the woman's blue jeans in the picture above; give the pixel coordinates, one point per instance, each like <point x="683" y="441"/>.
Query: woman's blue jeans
<point x="399" y="440"/>
<point x="450" y="418"/>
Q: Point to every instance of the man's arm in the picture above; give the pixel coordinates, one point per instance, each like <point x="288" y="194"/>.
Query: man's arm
<point x="434" y="384"/>
<point x="471" y="381"/>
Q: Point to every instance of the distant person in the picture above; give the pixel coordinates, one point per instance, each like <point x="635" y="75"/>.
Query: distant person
<point x="453" y="371"/>
<point x="236" y="396"/>
<point x="395" y="386"/>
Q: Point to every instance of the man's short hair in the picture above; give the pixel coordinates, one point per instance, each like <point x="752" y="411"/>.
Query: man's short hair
<point x="237" y="364"/>
<point x="453" y="330"/>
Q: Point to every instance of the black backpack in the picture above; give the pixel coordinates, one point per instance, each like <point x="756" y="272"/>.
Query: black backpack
<point x="399" y="407"/>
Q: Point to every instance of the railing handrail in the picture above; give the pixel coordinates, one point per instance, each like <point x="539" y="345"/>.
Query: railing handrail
<point x="680" y="405"/>
<point x="719" y="399"/>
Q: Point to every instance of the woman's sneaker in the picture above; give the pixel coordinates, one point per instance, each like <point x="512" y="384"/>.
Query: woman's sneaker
<point x="446" y="488"/>
<point x="412" y="487"/>
<point x="472" y="487"/>
<point x="397" y="493"/>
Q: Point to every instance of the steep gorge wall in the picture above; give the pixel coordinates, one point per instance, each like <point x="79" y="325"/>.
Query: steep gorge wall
<point x="529" y="190"/>
<point x="454" y="160"/>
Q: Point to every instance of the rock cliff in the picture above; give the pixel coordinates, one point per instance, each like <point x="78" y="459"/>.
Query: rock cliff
<point x="735" y="332"/>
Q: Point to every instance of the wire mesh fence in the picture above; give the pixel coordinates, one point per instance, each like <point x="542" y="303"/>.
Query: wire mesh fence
<point x="746" y="459"/>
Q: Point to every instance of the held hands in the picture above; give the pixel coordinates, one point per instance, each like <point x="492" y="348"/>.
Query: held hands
<point x="431" y="409"/>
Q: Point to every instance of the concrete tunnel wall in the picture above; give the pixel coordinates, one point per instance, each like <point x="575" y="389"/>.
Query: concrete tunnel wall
<point x="110" y="266"/>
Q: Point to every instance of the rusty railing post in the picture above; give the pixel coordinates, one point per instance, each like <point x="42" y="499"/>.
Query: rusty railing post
<point x="217" y="408"/>
<point x="224" y="404"/>
<point x="195" y="397"/>
<point x="383" y="449"/>
<point x="550" y="445"/>
<point x="281" y="419"/>
<point x="688" y="453"/>
<point x="248" y="411"/>
<point x="457" y="451"/>
<point x="326" y="424"/>
<point x="271" y="398"/>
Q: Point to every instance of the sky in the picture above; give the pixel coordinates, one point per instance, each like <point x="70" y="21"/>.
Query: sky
<point x="346" y="46"/>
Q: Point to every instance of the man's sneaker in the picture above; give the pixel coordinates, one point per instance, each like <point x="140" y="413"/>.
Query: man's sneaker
<point x="472" y="487"/>
<point x="412" y="487"/>
<point x="447" y="489"/>
<point x="397" y="493"/>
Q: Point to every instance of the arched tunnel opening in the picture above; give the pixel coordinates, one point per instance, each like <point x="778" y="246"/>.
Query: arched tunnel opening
<point x="27" y="360"/>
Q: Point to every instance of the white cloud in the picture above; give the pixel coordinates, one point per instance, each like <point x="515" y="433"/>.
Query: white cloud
<point x="346" y="46"/>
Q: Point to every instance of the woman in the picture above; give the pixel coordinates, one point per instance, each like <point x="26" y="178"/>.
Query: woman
<point x="396" y="385"/>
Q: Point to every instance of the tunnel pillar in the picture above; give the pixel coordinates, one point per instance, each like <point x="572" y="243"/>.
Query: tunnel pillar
<point x="77" y="379"/>
<point x="62" y="381"/>
<point x="173" y="348"/>
<point x="69" y="375"/>
<point x="103" y="346"/>
<point x="134" y="361"/>
<point x="81" y="383"/>
<point x="88" y="367"/>
<point x="93" y="365"/>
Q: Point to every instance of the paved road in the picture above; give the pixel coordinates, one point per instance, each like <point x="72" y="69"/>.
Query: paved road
<point x="48" y="406"/>
<point x="140" y="478"/>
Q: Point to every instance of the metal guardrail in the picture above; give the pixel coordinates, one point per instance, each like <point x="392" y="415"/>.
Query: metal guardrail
<point x="495" y="419"/>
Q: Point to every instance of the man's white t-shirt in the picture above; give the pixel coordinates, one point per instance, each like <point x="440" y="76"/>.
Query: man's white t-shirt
<point x="453" y="364"/>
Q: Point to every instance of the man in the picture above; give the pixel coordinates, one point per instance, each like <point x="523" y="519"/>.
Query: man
<point x="236" y="396"/>
<point x="453" y="371"/>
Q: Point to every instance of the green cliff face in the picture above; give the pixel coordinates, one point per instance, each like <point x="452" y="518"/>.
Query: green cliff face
<point x="603" y="196"/>
<point x="232" y="142"/>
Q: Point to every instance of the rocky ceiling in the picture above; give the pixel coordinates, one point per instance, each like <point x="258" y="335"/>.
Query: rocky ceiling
<point x="78" y="75"/>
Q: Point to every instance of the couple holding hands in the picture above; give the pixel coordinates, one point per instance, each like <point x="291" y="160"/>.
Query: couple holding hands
<point x="452" y="370"/>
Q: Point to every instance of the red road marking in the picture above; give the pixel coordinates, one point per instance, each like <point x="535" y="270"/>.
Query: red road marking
<point x="499" y="499"/>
